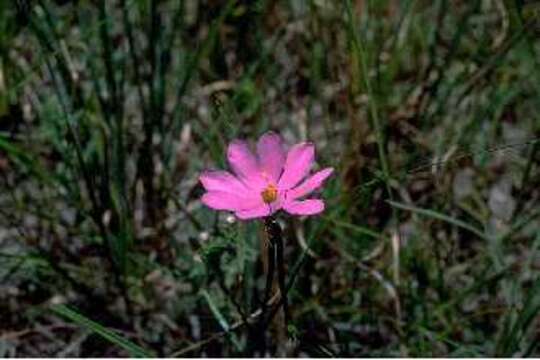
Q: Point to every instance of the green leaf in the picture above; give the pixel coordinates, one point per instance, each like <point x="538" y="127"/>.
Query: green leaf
<point x="20" y="156"/>
<point x="439" y="216"/>
<point x="220" y="318"/>
<point x="517" y="325"/>
<point x="133" y="349"/>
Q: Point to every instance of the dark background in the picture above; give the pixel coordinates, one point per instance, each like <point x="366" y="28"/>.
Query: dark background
<point x="428" y="111"/>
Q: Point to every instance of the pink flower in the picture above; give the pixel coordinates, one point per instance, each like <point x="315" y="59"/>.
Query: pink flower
<point x="264" y="183"/>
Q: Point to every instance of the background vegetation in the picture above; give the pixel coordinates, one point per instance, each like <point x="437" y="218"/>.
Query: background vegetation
<point x="428" y="110"/>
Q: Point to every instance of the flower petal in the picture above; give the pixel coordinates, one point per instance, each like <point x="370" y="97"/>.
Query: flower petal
<point x="244" y="164"/>
<point x="298" y="163"/>
<point x="219" y="200"/>
<point x="271" y="155"/>
<point x="260" y="211"/>
<point x="305" y="207"/>
<point x="222" y="181"/>
<point x="310" y="184"/>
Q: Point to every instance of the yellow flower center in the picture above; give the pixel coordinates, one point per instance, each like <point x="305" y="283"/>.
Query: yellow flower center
<point x="270" y="194"/>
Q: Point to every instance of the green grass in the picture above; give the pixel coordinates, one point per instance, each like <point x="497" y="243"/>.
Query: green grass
<point x="109" y="111"/>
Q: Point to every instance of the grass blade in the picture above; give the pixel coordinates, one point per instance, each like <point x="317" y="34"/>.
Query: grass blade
<point x="439" y="216"/>
<point x="72" y="315"/>
<point x="219" y="317"/>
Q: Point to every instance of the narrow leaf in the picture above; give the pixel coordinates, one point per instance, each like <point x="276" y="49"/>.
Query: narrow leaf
<point x="133" y="349"/>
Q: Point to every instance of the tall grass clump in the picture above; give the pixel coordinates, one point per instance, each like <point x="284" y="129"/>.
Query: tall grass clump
<point x="427" y="111"/>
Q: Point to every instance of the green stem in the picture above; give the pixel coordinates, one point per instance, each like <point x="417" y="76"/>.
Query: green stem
<point x="275" y="257"/>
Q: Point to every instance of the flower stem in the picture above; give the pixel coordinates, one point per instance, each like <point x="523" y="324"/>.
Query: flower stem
<point x="275" y="256"/>
<point x="270" y="272"/>
<point x="281" y="277"/>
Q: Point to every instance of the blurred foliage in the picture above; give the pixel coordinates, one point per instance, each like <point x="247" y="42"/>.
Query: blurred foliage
<point x="428" y="110"/>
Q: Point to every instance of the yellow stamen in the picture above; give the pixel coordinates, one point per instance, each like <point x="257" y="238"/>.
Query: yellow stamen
<point x="270" y="194"/>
